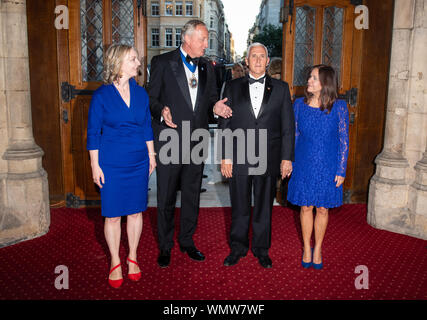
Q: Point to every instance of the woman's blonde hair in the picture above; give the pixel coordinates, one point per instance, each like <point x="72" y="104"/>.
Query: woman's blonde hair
<point x="238" y="68"/>
<point x="113" y="61"/>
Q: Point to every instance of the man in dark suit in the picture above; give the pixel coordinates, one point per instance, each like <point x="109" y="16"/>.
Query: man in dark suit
<point x="261" y="105"/>
<point x="182" y="91"/>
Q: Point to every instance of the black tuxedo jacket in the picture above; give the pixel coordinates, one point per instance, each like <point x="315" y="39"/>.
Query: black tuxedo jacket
<point x="168" y="86"/>
<point x="276" y="115"/>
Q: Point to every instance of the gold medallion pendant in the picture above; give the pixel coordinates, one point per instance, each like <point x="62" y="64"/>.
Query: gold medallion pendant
<point x="193" y="82"/>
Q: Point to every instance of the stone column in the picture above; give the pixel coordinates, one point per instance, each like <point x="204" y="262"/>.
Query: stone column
<point x="418" y="198"/>
<point x="392" y="203"/>
<point x="417" y="202"/>
<point x="24" y="199"/>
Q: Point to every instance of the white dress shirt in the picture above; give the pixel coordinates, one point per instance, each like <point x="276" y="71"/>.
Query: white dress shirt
<point x="256" y="91"/>
<point x="189" y="76"/>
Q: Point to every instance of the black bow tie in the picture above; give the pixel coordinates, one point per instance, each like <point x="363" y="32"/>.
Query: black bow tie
<point x="260" y="80"/>
<point x="190" y="59"/>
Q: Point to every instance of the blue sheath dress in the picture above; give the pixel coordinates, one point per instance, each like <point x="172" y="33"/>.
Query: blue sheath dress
<point x="120" y="133"/>
<point x="321" y="151"/>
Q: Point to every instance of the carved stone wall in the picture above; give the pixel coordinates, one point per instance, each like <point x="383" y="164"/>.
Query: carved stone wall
<point x="24" y="195"/>
<point x="398" y="190"/>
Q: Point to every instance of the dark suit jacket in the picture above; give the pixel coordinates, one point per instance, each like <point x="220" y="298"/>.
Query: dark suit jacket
<point x="276" y="115"/>
<point x="168" y="86"/>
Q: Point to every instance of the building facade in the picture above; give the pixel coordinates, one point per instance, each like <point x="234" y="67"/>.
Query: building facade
<point x="232" y="49"/>
<point x="269" y="13"/>
<point x="165" y="19"/>
<point x="219" y="35"/>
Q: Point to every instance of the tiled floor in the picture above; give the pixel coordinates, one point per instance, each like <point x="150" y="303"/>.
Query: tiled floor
<point x="217" y="192"/>
<point x="216" y="195"/>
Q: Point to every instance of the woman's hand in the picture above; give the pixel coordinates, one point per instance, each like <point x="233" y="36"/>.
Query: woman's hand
<point x="285" y="168"/>
<point x="97" y="175"/>
<point x="339" y="180"/>
<point x="153" y="163"/>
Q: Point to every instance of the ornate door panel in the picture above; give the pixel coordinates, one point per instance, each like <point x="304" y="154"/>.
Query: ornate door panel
<point x="94" y="25"/>
<point x="321" y="31"/>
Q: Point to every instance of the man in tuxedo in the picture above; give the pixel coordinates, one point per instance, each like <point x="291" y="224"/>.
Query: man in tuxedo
<point x="182" y="91"/>
<point x="259" y="104"/>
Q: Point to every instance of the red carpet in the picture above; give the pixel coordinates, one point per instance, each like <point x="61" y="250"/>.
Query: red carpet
<point x="397" y="264"/>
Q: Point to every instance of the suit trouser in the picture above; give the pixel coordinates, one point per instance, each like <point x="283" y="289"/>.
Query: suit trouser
<point x="187" y="177"/>
<point x="240" y="194"/>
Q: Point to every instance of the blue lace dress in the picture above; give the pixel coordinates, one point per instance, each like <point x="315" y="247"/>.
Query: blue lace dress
<point x="321" y="151"/>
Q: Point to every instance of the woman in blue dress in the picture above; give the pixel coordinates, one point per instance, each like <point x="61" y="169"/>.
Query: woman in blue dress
<point x="321" y="151"/>
<point x="120" y="144"/>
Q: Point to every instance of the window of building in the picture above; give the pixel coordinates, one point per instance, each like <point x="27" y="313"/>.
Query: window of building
<point x="211" y="43"/>
<point x="155" y="9"/>
<point x="188" y="8"/>
<point x="168" y="37"/>
<point x="178" y="8"/>
<point x="177" y="37"/>
<point x="155" y="37"/>
<point x="168" y="8"/>
<point x="211" y="22"/>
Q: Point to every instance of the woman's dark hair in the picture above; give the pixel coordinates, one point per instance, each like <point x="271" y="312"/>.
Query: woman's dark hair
<point x="275" y="67"/>
<point x="329" y="82"/>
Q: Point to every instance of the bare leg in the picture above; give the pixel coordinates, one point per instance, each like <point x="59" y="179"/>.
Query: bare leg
<point x="134" y="229"/>
<point x="320" y="224"/>
<point x="112" y="230"/>
<point x="306" y="218"/>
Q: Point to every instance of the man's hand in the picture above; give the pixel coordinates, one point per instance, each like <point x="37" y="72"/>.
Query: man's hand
<point x="221" y="109"/>
<point x="285" y="168"/>
<point x="167" y="116"/>
<point x="227" y="168"/>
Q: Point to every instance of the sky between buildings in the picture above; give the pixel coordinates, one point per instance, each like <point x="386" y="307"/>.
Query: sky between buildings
<point x="240" y="16"/>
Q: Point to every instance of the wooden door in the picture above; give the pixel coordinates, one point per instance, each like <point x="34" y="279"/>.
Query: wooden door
<point x="321" y="31"/>
<point x="94" y="25"/>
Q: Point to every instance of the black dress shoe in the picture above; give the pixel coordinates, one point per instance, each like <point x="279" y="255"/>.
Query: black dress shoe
<point x="193" y="253"/>
<point x="164" y="258"/>
<point x="231" y="260"/>
<point x="265" y="261"/>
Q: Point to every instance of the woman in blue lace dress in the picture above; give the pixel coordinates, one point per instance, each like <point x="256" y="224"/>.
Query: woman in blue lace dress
<point x="321" y="151"/>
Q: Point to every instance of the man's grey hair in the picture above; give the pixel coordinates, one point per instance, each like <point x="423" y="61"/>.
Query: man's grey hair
<point x="190" y="26"/>
<point x="256" y="44"/>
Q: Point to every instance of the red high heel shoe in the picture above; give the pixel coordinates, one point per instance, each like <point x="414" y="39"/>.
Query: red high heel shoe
<point x="115" y="283"/>
<point x="134" y="276"/>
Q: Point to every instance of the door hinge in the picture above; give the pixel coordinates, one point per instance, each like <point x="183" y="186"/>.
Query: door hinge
<point x="350" y="96"/>
<point x="347" y="196"/>
<point x="73" y="201"/>
<point x="356" y="2"/>
<point x="65" y="115"/>
<point x="284" y="13"/>
<point x="352" y="116"/>
<point x="69" y="92"/>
